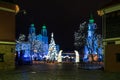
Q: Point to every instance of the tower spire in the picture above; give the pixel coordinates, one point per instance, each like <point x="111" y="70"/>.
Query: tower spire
<point x="32" y="29"/>
<point x="44" y="30"/>
<point x="91" y="20"/>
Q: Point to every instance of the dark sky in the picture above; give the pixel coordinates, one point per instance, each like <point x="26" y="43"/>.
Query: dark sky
<point x="62" y="17"/>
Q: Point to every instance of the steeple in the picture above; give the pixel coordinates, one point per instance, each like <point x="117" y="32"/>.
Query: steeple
<point x="91" y="20"/>
<point x="31" y="29"/>
<point x="44" y="31"/>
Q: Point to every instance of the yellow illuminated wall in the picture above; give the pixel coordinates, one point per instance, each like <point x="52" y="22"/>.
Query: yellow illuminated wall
<point x="7" y="21"/>
<point x="7" y="35"/>
<point x="8" y="56"/>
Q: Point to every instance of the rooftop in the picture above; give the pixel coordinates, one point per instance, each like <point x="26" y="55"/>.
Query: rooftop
<point x="112" y="3"/>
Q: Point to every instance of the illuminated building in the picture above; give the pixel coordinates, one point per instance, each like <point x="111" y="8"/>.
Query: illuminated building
<point x="36" y="48"/>
<point x="7" y="35"/>
<point x="93" y="46"/>
<point x="111" y="35"/>
<point x="38" y="42"/>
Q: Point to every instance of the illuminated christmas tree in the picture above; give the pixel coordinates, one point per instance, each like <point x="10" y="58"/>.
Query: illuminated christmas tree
<point x="88" y="42"/>
<point x="52" y="53"/>
<point x="93" y="47"/>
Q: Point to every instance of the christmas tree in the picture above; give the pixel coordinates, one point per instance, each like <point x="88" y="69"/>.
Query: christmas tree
<point x="52" y="53"/>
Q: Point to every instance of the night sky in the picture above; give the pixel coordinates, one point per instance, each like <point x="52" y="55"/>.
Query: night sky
<point x="62" y="17"/>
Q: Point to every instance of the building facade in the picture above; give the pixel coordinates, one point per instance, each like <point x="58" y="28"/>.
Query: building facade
<point x="7" y="35"/>
<point x="36" y="48"/>
<point x="111" y="35"/>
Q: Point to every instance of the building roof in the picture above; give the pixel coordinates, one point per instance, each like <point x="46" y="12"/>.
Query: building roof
<point x="5" y="6"/>
<point x="112" y="3"/>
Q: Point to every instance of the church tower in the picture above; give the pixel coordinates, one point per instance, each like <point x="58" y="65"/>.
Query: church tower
<point x="31" y="29"/>
<point x="32" y="33"/>
<point x="93" y="47"/>
<point x="44" y="34"/>
<point x="91" y="27"/>
<point x="44" y="30"/>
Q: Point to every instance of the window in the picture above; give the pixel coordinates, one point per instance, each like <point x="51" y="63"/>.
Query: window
<point x="118" y="57"/>
<point x="113" y="24"/>
<point x="111" y="42"/>
<point x="1" y="57"/>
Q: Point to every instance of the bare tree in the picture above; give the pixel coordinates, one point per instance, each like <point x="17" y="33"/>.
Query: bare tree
<point x="80" y="36"/>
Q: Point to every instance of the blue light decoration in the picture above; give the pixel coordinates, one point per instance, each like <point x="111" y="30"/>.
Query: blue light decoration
<point x="35" y="48"/>
<point x="93" y="46"/>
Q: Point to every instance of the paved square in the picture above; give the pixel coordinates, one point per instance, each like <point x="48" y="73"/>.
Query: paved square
<point x="51" y="71"/>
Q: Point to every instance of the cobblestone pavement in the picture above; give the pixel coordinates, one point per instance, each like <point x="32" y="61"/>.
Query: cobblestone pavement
<point x="51" y="71"/>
